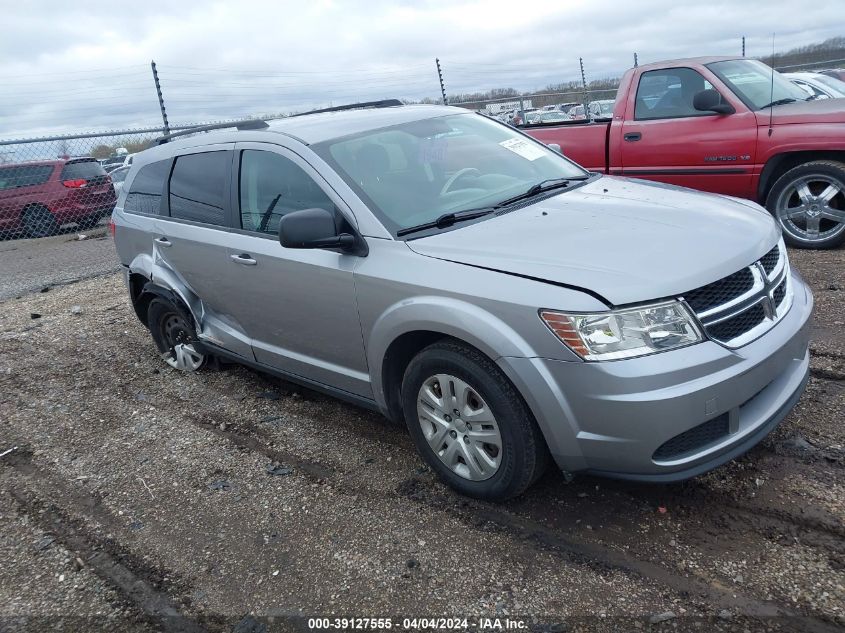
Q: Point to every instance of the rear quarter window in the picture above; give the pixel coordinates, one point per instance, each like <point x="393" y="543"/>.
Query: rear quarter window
<point x="24" y="176"/>
<point x="145" y="193"/>
<point x="198" y="187"/>
<point x="84" y="169"/>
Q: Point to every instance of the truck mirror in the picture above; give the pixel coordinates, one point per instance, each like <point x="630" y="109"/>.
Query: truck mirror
<point x="711" y="101"/>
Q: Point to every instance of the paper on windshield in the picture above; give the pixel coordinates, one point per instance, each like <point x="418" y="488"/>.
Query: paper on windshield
<point x="527" y="150"/>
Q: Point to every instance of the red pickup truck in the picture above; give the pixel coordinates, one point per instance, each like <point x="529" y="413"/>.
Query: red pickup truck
<point x="728" y="126"/>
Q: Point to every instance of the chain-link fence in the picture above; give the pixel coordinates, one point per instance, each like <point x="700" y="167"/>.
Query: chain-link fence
<point x="546" y="107"/>
<point x="60" y="183"/>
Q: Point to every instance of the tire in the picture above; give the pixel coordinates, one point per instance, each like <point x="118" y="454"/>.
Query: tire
<point x="37" y="221"/>
<point x="173" y="332"/>
<point x="808" y="202"/>
<point x="497" y="473"/>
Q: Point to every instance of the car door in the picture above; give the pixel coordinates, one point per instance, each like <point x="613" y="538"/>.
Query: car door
<point x="192" y="235"/>
<point x="298" y="305"/>
<point x="664" y="138"/>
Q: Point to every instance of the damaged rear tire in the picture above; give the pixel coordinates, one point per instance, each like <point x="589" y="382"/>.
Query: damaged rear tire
<point x="173" y="332"/>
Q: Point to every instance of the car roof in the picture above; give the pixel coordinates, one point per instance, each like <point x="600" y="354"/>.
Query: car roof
<point x="49" y="161"/>
<point x="309" y="128"/>
<point x="675" y="63"/>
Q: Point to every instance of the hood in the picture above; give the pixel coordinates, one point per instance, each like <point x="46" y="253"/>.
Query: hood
<point x="626" y="240"/>
<point x="817" y="111"/>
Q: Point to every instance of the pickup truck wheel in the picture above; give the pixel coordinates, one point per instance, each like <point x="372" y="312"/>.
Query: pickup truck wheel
<point x="470" y="424"/>
<point x="808" y="202"/>
<point x="174" y="335"/>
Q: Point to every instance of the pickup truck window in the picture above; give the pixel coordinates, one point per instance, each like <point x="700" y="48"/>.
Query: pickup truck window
<point x="754" y="83"/>
<point x="668" y="94"/>
<point x="413" y="173"/>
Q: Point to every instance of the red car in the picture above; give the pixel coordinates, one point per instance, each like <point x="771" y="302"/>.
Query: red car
<point x="725" y="125"/>
<point x="38" y="197"/>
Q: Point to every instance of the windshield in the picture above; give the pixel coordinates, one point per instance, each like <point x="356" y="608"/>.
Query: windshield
<point x="752" y="82"/>
<point x="415" y="172"/>
<point x="832" y="82"/>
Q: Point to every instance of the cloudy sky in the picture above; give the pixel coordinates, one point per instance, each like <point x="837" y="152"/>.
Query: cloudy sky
<point x="86" y="67"/>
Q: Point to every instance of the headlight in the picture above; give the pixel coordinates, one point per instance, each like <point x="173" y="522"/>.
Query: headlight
<point x="624" y="333"/>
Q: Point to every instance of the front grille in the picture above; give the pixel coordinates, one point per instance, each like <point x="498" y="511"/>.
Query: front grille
<point x="780" y="293"/>
<point x="720" y="292"/>
<point x="738" y="325"/>
<point x="735" y="309"/>
<point x="770" y="260"/>
<point x="694" y="439"/>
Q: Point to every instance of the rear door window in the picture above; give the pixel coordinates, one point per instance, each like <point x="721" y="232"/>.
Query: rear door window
<point x="198" y="187"/>
<point x="82" y="170"/>
<point x="24" y="176"/>
<point x="145" y="193"/>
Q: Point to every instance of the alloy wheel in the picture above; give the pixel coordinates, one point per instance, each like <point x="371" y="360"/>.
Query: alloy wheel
<point x="812" y="208"/>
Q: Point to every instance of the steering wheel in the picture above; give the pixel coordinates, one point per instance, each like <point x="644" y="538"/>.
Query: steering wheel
<point x="458" y="174"/>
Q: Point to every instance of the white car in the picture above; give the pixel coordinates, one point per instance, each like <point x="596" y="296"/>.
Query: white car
<point x="818" y="85"/>
<point x="117" y="177"/>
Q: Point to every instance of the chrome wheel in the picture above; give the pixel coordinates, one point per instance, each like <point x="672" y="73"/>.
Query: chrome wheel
<point x="459" y="427"/>
<point x="812" y="208"/>
<point x="177" y="336"/>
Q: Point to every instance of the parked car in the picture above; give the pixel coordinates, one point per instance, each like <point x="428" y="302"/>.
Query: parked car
<point x="118" y="176"/>
<point x="116" y="162"/>
<point x="505" y="303"/>
<point x="704" y="123"/>
<point x="38" y="197"/>
<point x="818" y="85"/>
<point x="602" y="109"/>
<point x="836" y="73"/>
<point x="543" y="118"/>
<point x="577" y="113"/>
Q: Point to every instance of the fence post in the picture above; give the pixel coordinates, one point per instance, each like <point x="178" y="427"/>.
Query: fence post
<point x="743" y="46"/>
<point x="440" y="77"/>
<point x="160" y="98"/>
<point x="635" y="61"/>
<point x="584" y="85"/>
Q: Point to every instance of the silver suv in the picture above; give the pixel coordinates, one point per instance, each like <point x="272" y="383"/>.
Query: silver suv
<point x="449" y="271"/>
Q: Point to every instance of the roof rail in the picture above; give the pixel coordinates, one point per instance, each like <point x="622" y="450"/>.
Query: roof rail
<point x="384" y="103"/>
<point x="247" y="124"/>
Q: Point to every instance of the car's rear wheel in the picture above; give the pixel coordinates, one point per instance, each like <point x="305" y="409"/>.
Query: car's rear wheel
<point x="470" y="424"/>
<point x="808" y="202"/>
<point x="37" y="221"/>
<point x="173" y="332"/>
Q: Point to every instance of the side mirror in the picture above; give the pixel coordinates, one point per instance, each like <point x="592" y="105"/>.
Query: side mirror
<point x="711" y="101"/>
<point x="312" y="228"/>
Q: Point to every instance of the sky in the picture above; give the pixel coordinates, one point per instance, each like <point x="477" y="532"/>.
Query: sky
<point x="87" y="67"/>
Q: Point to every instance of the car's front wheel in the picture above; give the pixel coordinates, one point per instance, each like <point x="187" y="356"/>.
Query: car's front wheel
<point x="174" y="335"/>
<point x="470" y="424"/>
<point x="808" y="202"/>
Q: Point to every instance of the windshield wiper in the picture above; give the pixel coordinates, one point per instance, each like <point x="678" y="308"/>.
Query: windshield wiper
<point x="541" y="187"/>
<point x="778" y="102"/>
<point x="448" y="219"/>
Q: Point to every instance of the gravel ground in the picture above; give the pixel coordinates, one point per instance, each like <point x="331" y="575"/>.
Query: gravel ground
<point x="140" y="498"/>
<point x="29" y="265"/>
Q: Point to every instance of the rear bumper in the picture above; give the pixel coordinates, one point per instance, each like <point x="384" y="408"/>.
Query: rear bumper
<point x="609" y="418"/>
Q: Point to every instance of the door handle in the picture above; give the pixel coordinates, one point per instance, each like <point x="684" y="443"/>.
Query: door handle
<point x="163" y="241"/>
<point x="632" y="136"/>
<point x="244" y="259"/>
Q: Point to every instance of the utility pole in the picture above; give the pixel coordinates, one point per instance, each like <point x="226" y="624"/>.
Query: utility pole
<point x="440" y="77"/>
<point x="160" y="98"/>
<point x="635" y="61"/>
<point x="583" y="84"/>
<point x="743" y="46"/>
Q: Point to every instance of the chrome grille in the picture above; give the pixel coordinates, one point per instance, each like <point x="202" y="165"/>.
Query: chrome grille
<point x="744" y="305"/>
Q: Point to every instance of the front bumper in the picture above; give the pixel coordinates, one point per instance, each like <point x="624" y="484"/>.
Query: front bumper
<point x="609" y="418"/>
